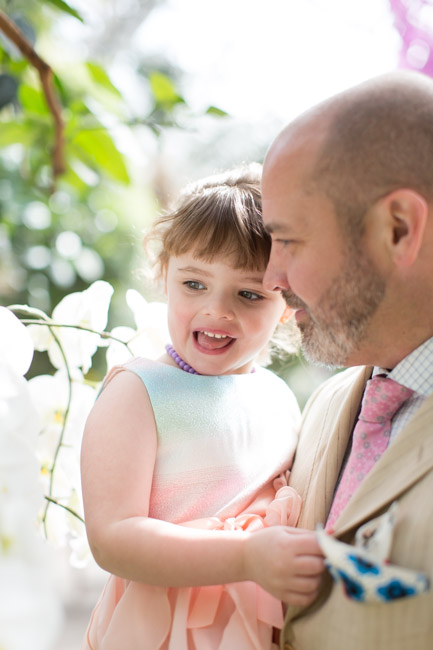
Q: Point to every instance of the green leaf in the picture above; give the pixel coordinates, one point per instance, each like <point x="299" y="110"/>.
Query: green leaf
<point x="99" y="76"/>
<point x="17" y="67"/>
<point x="14" y="132"/>
<point x="78" y="108"/>
<point x="32" y="100"/>
<point x="100" y="149"/>
<point x="218" y="112"/>
<point x="63" y="6"/>
<point x="164" y="90"/>
<point x="70" y="179"/>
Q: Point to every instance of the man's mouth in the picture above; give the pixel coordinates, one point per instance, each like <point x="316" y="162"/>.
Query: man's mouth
<point x="213" y="340"/>
<point x="300" y="315"/>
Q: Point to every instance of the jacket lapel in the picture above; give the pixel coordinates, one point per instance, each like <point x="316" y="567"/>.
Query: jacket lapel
<point x="408" y="458"/>
<point x="323" y="444"/>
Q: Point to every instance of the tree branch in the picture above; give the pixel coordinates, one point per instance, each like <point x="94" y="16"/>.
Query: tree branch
<point x="14" y="34"/>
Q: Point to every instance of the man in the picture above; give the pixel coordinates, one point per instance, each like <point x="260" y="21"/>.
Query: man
<point x="348" y="200"/>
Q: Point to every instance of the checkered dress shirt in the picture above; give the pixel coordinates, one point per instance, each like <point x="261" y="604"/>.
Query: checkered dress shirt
<point x="415" y="372"/>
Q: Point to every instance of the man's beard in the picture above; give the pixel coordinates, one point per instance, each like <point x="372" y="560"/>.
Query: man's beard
<point x="336" y="327"/>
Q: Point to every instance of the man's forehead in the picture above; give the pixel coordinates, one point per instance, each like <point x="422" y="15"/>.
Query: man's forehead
<point x="292" y="204"/>
<point x="294" y="151"/>
<point x="287" y="171"/>
<point x="285" y="214"/>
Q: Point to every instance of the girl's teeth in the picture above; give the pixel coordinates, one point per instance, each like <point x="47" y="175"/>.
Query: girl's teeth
<point x="215" y="336"/>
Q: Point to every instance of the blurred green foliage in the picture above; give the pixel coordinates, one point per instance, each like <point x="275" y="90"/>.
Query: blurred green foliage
<point x="59" y="234"/>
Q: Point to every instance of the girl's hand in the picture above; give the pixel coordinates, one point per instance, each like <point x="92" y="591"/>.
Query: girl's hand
<point x="286" y="562"/>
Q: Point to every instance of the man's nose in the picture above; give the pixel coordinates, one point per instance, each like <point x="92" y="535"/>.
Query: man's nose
<point x="275" y="278"/>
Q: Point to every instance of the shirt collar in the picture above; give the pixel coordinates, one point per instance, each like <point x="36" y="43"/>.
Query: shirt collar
<point x="414" y="371"/>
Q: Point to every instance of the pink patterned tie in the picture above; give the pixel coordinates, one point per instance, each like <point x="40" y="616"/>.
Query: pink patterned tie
<point x="382" y="399"/>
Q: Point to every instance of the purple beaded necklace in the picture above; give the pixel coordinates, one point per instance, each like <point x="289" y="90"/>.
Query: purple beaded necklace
<point x="180" y="362"/>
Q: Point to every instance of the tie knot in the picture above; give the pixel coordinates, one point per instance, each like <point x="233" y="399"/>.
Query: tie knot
<point x="382" y="399"/>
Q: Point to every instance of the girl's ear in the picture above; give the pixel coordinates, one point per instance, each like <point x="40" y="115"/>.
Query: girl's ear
<point x="287" y="313"/>
<point x="406" y="214"/>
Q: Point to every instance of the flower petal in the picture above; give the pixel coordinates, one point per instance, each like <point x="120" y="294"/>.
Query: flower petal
<point x="16" y="345"/>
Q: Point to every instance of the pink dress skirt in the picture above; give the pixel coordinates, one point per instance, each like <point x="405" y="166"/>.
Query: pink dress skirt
<point x="236" y="616"/>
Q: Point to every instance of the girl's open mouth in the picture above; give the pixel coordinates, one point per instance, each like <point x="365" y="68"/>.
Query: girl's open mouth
<point x="212" y="341"/>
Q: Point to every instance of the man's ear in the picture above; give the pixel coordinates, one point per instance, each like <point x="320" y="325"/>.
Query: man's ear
<point x="406" y="211"/>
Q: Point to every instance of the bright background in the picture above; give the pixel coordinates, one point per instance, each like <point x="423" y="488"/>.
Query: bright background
<point x="260" y="62"/>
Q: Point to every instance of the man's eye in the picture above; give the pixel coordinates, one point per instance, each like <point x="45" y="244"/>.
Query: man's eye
<point x="284" y="242"/>
<point x="194" y="284"/>
<point x="251" y="295"/>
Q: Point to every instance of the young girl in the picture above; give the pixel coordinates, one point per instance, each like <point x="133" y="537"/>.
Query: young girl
<point x="180" y="455"/>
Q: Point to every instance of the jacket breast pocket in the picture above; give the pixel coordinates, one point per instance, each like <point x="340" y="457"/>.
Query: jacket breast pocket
<point x="363" y="569"/>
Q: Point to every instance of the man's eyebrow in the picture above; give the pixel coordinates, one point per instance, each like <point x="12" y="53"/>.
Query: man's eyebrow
<point x="275" y="228"/>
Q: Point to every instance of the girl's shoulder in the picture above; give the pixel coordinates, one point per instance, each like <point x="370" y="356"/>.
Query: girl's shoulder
<point x="136" y="365"/>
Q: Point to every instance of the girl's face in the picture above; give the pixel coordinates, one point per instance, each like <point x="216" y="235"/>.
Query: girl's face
<point x="219" y="317"/>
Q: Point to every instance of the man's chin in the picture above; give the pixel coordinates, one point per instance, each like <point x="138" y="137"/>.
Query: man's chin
<point x="321" y="361"/>
<point x="323" y="353"/>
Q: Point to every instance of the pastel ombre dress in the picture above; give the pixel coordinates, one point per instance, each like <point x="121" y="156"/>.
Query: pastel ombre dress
<point x="221" y="443"/>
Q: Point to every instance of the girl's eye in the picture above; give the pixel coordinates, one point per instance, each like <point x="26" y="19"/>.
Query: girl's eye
<point x="251" y="295"/>
<point x="194" y="284"/>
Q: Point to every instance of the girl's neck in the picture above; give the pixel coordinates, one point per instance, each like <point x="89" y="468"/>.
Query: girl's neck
<point x="183" y="365"/>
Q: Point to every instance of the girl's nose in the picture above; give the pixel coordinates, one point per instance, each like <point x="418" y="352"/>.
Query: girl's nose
<point x="218" y="307"/>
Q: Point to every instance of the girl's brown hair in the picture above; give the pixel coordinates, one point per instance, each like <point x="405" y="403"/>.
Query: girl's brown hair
<point x="219" y="215"/>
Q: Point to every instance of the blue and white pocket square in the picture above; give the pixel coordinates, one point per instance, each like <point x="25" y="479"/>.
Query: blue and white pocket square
<point x="363" y="569"/>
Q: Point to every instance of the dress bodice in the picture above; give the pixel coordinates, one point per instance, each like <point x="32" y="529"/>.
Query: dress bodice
<point x="220" y="438"/>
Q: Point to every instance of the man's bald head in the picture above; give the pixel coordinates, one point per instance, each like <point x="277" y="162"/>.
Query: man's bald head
<point x="365" y="142"/>
<point x="347" y="195"/>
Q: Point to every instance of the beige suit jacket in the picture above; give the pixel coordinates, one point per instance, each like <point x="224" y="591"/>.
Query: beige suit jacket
<point x="404" y="474"/>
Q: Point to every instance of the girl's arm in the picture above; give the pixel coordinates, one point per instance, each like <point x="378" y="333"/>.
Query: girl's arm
<point x="118" y="456"/>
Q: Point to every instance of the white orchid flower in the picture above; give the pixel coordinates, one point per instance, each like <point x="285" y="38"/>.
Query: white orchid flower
<point x="62" y="528"/>
<point x="19" y="471"/>
<point x="26" y="594"/>
<point x="83" y="309"/>
<point x="65" y="477"/>
<point x="16" y="345"/>
<point x="118" y="353"/>
<point x="81" y="554"/>
<point x="74" y="531"/>
<point x="50" y="394"/>
<point x="58" y="451"/>
<point x="18" y="531"/>
<point x="55" y="527"/>
<point x="21" y="497"/>
<point x="150" y="337"/>
<point x="42" y="420"/>
<point x="17" y="412"/>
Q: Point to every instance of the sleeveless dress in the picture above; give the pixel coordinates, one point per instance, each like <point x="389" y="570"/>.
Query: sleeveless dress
<point x="225" y="444"/>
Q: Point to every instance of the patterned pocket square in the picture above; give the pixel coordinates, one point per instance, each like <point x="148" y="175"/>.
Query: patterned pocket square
<point x="363" y="569"/>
